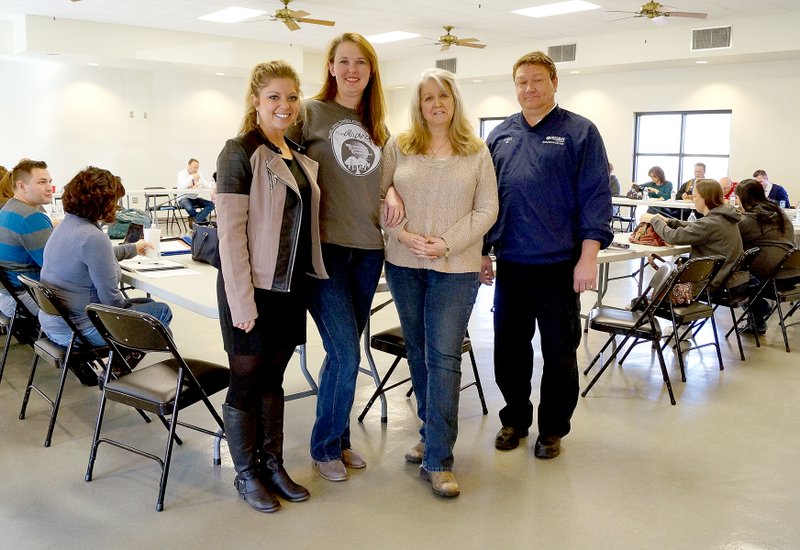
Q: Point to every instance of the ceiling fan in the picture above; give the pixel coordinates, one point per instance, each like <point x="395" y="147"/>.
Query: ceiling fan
<point x="291" y="18"/>
<point x="656" y="12"/>
<point x="447" y="40"/>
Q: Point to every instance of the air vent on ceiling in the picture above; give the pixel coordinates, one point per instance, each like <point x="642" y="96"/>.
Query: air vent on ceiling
<point x="559" y="54"/>
<point x="447" y="64"/>
<point x="710" y="39"/>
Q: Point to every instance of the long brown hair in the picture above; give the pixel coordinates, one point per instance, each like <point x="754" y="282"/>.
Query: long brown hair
<point x="711" y="191"/>
<point x="751" y="194"/>
<point x="372" y="107"/>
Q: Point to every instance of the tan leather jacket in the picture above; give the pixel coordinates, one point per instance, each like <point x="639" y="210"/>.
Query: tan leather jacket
<point x="252" y="185"/>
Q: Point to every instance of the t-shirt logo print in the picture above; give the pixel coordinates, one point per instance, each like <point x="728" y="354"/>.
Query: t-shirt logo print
<point x="353" y="148"/>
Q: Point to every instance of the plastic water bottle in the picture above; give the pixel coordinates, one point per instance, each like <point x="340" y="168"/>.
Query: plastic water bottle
<point x="797" y="214"/>
<point x="692" y="217"/>
<point x="732" y="199"/>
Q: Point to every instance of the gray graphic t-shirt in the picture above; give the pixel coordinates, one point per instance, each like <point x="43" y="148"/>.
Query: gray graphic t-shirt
<point x="349" y="174"/>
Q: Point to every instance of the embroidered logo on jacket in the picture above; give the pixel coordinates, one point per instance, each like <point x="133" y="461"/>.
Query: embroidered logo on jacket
<point x="354" y="150"/>
<point x="555" y="140"/>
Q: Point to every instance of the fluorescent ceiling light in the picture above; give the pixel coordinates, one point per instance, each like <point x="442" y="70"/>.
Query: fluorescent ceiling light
<point x="701" y="62"/>
<point x="394" y="36"/>
<point x="559" y="8"/>
<point x="232" y="15"/>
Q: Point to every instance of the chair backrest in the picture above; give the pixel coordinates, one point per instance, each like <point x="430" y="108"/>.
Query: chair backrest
<point x="130" y="329"/>
<point x="789" y="266"/>
<point x="8" y="286"/>
<point x="49" y="303"/>
<point x="657" y="288"/>
<point x="699" y="272"/>
<point x="743" y="263"/>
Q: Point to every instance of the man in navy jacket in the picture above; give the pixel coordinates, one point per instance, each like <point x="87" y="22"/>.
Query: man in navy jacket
<point x="555" y="216"/>
<point x="774" y="192"/>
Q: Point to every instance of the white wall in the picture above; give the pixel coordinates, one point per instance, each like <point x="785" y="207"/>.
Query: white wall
<point x="761" y="96"/>
<point x="72" y="115"/>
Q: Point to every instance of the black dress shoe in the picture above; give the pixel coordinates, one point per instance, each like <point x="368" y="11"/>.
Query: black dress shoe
<point x="547" y="446"/>
<point x="508" y="438"/>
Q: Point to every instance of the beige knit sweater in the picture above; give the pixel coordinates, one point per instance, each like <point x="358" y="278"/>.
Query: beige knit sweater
<point x="453" y="198"/>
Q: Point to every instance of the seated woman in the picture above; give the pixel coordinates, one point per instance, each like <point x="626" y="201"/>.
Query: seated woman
<point x="716" y="233"/>
<point x="764" y="225"/>
<point x="658" y="189"/>
<point x="80" y="263"/>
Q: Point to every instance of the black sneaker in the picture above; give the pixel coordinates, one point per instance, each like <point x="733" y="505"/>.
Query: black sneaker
<point x="85" y="373"/>
<point x="748" y="329"/>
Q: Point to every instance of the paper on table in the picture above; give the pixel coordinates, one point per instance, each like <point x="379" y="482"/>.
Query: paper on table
<point x="169" y="273"/>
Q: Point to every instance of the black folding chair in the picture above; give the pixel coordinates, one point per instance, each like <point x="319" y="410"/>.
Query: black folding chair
<point x="156" y="202"/>
<point x="79" y="355"/>
<point x="786" y="289"/>
<point x="22" y="324"/>
<point x="732" y="298"/>
<point x="391" y="341"/>
<point x="638" y="323"/>
<point x="163" y="388"/>
<point x="625" y="222"/>
<point x="697" y="272"/>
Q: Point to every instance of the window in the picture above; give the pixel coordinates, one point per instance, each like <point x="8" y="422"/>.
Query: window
<point x="675" y="141"/>
<point x="488" y="124"/>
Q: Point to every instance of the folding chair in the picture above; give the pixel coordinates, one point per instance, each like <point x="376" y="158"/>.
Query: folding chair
<point x="22" y="325"/>
<point x="156" y="202"/>
<point x="638" y="323"/>
<point x="697" y="272"/>
<point x="79" y="355"/>
<point x="163" y="388"/>
<point x="391" y="341"/>
<point x="735" y="297"/>
<point x="626" y="223"/>
<point x="786" y="287"/>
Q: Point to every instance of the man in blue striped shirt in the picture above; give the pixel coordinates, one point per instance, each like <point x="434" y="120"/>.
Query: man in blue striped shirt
<point x="24" y="229"/>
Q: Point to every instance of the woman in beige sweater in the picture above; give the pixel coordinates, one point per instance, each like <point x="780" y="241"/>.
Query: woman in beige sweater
<point x="445" y="175"/>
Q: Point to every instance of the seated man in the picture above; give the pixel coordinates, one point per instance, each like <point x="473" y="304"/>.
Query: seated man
<point x="686" y="190"/>
<point x="196" y="207"/>
<point x="776" y="193"/>
<point x="24" y="229"/>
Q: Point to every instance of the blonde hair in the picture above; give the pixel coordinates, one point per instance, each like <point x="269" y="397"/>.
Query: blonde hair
<point x="416" y="140"/>
<point x="260" y="76"/>
<point x="372" y="107"/>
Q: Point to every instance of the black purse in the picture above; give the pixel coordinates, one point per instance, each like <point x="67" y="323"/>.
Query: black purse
<point x="205" y="244"/>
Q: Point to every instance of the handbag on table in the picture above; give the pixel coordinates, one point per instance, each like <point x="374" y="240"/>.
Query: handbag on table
<point x="645" y="234"/>
<point x="205" y="244"/>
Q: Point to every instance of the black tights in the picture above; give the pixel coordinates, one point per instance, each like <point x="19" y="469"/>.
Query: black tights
<point x="253" y="376"/>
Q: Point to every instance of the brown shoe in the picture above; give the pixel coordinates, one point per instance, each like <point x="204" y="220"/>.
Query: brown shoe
<point x="415" y="454"/>
<point x="332" y="470"/>
<point x="352" y="459"/>
<point x="508" y="438"/>
<point x="547" y="446"/>
<point x="443" y="484"/>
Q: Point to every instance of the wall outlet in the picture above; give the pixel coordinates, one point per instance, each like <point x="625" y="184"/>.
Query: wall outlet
<point x="134" y="200"/>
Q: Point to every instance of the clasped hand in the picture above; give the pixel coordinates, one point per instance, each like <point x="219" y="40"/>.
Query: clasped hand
<point x="427" y="248"/>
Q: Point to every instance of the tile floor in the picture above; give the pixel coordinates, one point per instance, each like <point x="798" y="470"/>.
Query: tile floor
<point x="718" y="470"/>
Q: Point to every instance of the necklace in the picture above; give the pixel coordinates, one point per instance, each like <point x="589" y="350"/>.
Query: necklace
<point x="435" y="152"/>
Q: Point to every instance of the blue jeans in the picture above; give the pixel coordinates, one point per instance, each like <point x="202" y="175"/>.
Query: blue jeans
<point x="340" y="307"/>
<point x="434" y="310"/>
<point x="191" y="206"/>
<point x="158" y="310"/>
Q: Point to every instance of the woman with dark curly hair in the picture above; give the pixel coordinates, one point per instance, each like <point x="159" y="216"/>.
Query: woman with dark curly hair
<point x="80" y="263"/>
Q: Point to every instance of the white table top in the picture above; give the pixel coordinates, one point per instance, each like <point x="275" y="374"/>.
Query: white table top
<point x="196" y="292"/>
<point x="637" y="250"/>
<point x="625" y="201"/>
